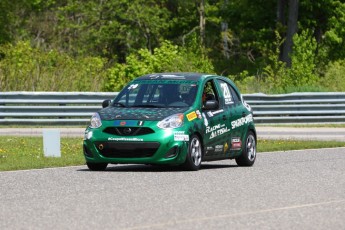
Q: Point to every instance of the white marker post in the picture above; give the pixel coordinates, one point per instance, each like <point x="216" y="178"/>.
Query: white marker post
<point x="51" y="143"/>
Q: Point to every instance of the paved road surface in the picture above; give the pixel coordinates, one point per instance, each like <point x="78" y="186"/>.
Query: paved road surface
<point x="264" y="132"/>
<point x="284" y="190"/>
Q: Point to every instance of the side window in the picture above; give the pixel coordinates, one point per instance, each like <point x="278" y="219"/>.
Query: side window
<point x="235" y="96"/>
<point x="210" y="92"/>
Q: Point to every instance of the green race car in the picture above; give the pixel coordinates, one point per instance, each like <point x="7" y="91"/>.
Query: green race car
<point x="172" y="118"/>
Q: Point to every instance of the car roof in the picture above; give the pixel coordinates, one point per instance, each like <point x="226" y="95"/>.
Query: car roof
<point x="174" y="76"/>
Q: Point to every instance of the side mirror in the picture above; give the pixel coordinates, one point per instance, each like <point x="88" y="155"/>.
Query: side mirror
<point x="211" y="105"/>
<point x="106" y="103"/>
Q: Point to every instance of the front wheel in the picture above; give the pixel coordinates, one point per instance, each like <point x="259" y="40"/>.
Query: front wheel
<point x="194" y="155"/>
<point x="96" y="166"/>
<point x="248" y="155"/>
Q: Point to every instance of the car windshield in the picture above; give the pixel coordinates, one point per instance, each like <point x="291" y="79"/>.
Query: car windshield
<point x="157" y="94"/>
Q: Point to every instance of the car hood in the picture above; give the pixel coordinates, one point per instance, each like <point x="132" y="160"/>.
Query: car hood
<point x="144" y="114"/>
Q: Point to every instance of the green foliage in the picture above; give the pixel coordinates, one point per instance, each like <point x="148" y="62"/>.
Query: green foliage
<point x="334" y="76"/>
<point x="303" y="60"/>
<point x="167" y="58"/>
<point x="335" y="36"/>
<point x="24" y="68"/>
<point x="300" y="77"/>
<point x="275" y="73"/>
<point x="101" y="45"/>
<point x="112" y="28"/>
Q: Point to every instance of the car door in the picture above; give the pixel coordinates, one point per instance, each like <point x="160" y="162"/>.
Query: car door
<point x="214" y="121"/>
<point x="234" y="114"/>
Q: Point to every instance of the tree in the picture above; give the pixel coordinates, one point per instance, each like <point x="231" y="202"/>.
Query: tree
<point x="202" y="23"/>
<point x="291" y="30"/>
<point x="113" y="28"/>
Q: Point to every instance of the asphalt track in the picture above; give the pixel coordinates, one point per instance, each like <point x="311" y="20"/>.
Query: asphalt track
<point x="283" y="190"/>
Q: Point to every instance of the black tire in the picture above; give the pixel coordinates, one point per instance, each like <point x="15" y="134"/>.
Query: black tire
<point x="194" y="155"/>
<point x="248" y="155"/>
<point x="96" y="166"/>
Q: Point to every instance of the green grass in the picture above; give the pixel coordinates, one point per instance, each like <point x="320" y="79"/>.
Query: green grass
<point x="27" y="152"/>
<point x="284" y="145"/>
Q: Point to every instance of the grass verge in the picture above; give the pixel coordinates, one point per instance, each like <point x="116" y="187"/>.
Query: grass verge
<point x="285" y="145"/>
<point x="27" y="152"/>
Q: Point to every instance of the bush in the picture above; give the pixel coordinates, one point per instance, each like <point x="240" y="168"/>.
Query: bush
<point x="334" y="76"/>
<point x="24" y="68"/>
<point x="167" y="58"/>
<point x="276" y="77"/>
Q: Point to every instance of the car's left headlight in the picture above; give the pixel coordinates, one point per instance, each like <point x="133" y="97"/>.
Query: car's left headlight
<point x="173" y="121"/>
<point x="95" y="121"/>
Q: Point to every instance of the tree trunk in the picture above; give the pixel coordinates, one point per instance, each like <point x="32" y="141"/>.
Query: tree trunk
<point x="224" y="28"/>
<point x="281" y="6"/>
<point x="202" y="22"/>
<point x="291" y="30"/>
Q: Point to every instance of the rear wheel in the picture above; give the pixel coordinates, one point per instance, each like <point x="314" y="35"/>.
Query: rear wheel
<point x="248" y="155"/>
<point x="96" y="166"/>
<point x="194" y="155"/>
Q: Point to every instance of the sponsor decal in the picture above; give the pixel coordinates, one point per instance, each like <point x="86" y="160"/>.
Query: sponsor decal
<point x="226" y="146"/>
<point x="140" y="123"/>
<point x="205" y="119"/>
<point x="217" y="130"/>
<point x="218" y="111"/>
<point x="210" y="129"/>
<point x="191" y="116"/>
<point x="241" y="121"/>
<point x="199" y="114"/>
<point x="126" y="123"/>
<point x="209" y="148"/>
<point x="236" y="143"/>
<point x="133" y="86"/>
<point x="218" y="148"/>
<point x="247" y="106"/>
<point x="181" y="136"/>
<point x="124" y="139"/>
<point x="172" y="76"/>
<point x="154" y="76"/>
<point x="211" y="114"/>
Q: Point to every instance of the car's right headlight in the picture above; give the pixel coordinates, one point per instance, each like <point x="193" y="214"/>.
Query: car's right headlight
<point x="171" y="122"/>
<point x="95" y="121"/>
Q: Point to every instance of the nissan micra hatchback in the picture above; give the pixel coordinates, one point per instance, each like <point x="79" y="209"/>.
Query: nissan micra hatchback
<point x="172" y="118"/>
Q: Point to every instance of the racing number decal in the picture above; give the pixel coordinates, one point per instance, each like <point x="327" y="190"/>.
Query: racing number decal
<point x="226" y="93"/>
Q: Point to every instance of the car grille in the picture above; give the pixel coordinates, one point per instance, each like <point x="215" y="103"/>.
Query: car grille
<point x="127" y="149"/>
<point x="128" y="131"/>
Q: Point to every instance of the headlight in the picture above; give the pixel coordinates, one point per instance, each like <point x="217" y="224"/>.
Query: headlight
<point x="174" y="121"/>
<point x="95" y="121"/>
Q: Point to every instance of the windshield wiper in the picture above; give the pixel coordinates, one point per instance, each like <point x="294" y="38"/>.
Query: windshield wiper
<point x="120" y="104"/>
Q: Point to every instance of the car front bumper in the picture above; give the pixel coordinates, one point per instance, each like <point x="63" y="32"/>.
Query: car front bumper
<point x="161" y="147"/>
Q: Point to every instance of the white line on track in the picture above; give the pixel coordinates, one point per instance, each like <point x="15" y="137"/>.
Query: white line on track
<point x="172" y="223"/>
